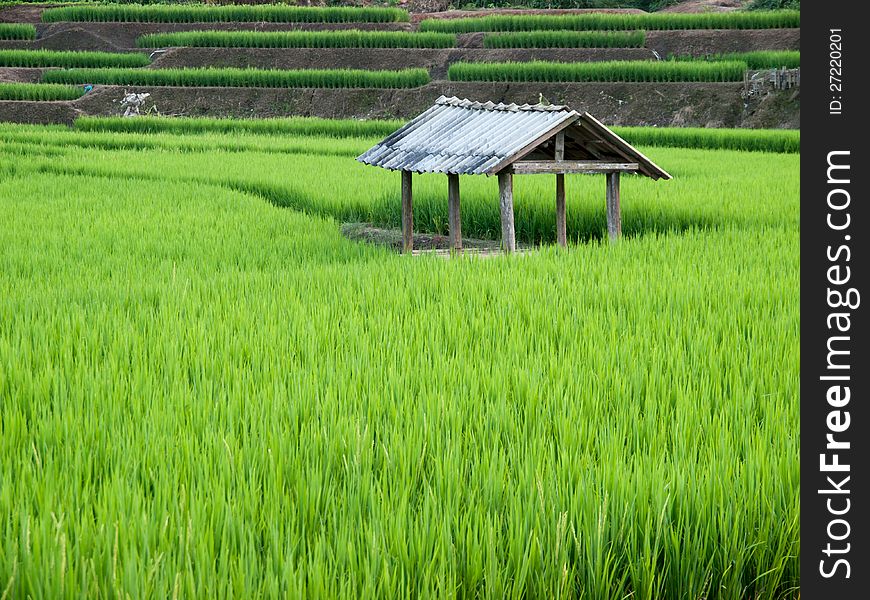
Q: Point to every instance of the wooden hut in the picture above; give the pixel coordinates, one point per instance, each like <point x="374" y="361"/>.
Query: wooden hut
<point x="460" y="137"/>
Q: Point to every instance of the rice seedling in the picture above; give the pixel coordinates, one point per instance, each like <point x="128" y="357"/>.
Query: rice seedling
<point x="760" y="59"/>
<point x="635" y="70"/>
<point x="605" y="21"/>
<point x="206" y="13"/>
<point x="39" y="91"/>
<point x="758" y="140"/>
<point x="17" y="31"/>
<point x="67" y="58"/>
<point x="204" y="394"/>
<point x="229" y="77"/>
<point x="295" y="126"/>
<point x="566" y="39"/>
<point x="298" y="39"/>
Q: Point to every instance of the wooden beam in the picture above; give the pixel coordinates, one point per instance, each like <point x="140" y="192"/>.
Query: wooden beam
<point x="531" y="146"/>
<point x="559" y="153"/>
<point x="561" y="225"/>
<point x="614" y="219"/>
<point x="531" y="167"/>
<point x="407" y="213"/>
<point x="453" y="212"/>
<point x="506" y="205"/>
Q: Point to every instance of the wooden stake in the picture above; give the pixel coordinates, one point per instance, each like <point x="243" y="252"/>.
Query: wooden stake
<point x="561" y="226"/>
<point x="506" y="205"/>
<point x="407" y="213"/>
<point x="614" y="219"/>
<point x="453" y="212"/>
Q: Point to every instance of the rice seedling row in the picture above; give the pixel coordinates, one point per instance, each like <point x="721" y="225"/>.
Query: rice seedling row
<point x="39" y="91"/>
<point x="605" y="21"/>
<point x="759" y="59"/>
<point x="298" y="39"/>
<point x="761" y="140"/>
<point x="17" y="31"/>
<point x="636" y="71"/>
<point x="230" y="77"/>
<point x="205" y="13"/>
<point x="566" y="39"/>
<point x="69" y="58"/>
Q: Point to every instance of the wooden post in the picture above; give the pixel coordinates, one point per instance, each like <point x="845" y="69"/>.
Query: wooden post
<point x="506" y="204"/>
<point x="614" y="220"/>
<point x="559" y="152"/>
<point x="453" y="212"/>
<point x="407" y="213"/>
<point x="561" y="226"/>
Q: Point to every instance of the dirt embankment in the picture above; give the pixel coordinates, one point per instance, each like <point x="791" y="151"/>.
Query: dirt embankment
<point x="700" y="42"/>
<point x="668" y="104"/>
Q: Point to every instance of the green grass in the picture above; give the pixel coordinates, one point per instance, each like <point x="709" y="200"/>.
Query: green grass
<point x="194" y="13"/>
<point x="17" y="31"/>
<point x="298" y="39"/>
<point x="229" y="77"/>
<point x="617" y="70"/>
<point x="65" y="58"/>
<point x="759" y="59"/>
<point x="39" y="91"/>
<point x="566" y="39"/>
<point x="604" y="21"/>
<point x="206" y="392"/>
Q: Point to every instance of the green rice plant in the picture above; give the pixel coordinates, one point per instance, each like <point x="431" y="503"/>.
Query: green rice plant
<point x="295" y="126"/>
<point x="39" y="91"/>
<point x="759" y="59"/>
<point x="67" y="58"/>
<point x="566" y="39"/>
<point x="206" y="13"/>
<point x="758" y="140"/>
<point x="17" y="31"/>
<point x="206" y="394"/>
<point x="351" y="38"/>
<point x="637" y="70"/>
<point x="229" y="77"/>
<point x="607" y="21"/>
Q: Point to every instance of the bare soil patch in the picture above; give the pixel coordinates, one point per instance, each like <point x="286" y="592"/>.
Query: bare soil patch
<point x="423" y="242"/>
<point x="697" y="6"/>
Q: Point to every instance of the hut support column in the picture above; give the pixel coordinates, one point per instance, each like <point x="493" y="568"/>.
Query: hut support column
<point x="614" y="219"/>
<point x="453" y="212"/>
<point x="506" y="205"/>
<point x="561" y="225"/>
<point x="407" y="214"/>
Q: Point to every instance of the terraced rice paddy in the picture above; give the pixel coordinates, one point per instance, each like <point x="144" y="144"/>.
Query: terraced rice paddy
<point x="298" y="39"/>
<point x="208" y="13"/>
<point x="39" y="91"/>
<point x="205" y="391"/>
<point x="230" y="77"/>
<point x="605" y="21"/>
<point x="17" y="31"/>
<point x="616" y="70"/>
<point x="66" y="58"/>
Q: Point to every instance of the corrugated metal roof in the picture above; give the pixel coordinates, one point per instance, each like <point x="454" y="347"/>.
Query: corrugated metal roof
<point x="463" y="137"/>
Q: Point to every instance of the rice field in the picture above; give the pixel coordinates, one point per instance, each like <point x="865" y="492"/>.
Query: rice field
<point x="566" y="39"/>
<point x="608" y="21"/>
<point x="209" y="13"/>
<point x="760" y="59"/>
<point x="759" y="140"/>
<point x="615" y="70"/>
<point x="39" y="91"/>
<point x="232" y="77"/>
<point x="70" y="59"/>
<point x="17" y="31"/>
<point x="298" y="39"/>
<point x="205" y="391"/>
